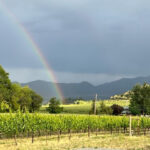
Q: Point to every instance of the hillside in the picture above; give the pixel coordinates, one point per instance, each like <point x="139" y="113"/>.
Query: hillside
<point x="85" y="89"/>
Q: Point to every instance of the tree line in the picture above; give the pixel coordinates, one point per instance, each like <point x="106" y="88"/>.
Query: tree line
<point x="14" y="97"/>
<point x="139" y="97"/>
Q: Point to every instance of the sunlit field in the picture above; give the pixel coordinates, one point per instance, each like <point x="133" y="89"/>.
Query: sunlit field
<point x="85" y="106"/>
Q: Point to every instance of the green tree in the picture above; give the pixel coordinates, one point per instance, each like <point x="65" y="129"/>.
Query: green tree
<point x="25" y="99"/>
<point x="36" y="102"/>
<point x="104" y="109"/>
<point x="5" y="86"/>
<point x="54" y="106"/>
<point x="15" y="96"/>
<point x="140" y="99"/>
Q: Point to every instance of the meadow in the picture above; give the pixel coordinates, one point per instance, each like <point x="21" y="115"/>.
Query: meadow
<point x="84" y="107"/>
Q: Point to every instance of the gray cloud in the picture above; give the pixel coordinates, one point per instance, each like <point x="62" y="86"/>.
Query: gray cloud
<point x="81" y="37"/>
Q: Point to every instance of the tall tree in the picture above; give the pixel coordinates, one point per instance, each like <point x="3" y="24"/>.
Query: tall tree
<point x="54" y="106"/>
<point x="36" y="102"/>
<point x="25" y="99"/>
<point x="13" y="96"/>
<point x="140" y="99"/>
<point x="5" y="87"/>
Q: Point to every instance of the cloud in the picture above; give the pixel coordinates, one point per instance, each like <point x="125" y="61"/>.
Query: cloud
<point x="80" y="37"/>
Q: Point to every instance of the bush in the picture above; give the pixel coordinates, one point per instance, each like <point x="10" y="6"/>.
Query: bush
<point x="104" y="109"/>
<point x="116" y="109"/>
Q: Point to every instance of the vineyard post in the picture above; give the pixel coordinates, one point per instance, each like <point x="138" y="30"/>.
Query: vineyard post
<point x="138" y="126"/>
<point x="15" y="139"/>
<point x="69" y="131"/>
<point x="88" y="131"/>
<point x="59" y="135"/>
<point x="32" y="136"/>
<point x="130" y="126"/>
<point x="46" y="132"/>
<point x="95" y="104"/>
<point x="96" y="131"/>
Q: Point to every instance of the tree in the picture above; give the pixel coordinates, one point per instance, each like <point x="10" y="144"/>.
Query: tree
<point x="140" y="99"/>
<point x="5" y="86"/>
<point x="14" y="97"/>
<point x="54" y="106"/>
<point x="36" y="102"/>
<point x="25" y="99"/>
<point x="104" y="109"/>
<point x="116" y="109"/>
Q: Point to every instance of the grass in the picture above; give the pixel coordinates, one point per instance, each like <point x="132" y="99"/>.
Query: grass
<point x="85" y="106"/>
<point x="121" y="142"/>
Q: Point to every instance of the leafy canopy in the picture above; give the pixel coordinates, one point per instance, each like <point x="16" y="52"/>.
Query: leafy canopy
<point x="140" y="99"/>
<point x="14" y="97"/>
<point x="54" y="106"/>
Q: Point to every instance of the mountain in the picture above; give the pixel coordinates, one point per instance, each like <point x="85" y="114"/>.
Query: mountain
<point x="85" y="89"/>
<point x="120" y="86"/>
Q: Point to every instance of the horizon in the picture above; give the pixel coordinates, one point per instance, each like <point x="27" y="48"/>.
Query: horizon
<point x="82" y="81"/>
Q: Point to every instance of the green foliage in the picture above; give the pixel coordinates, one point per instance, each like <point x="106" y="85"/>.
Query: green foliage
<point x="36" y="102"/>
<point x="54" y="106"/>
<point x="5" y="87"/>
<point x="4" y="107"/>
<point x="31" y="124"/>
<point x="25" y="98"/>
<point x="140" y="99"/>
<point x="14" y="97"/>
<point x="105" y="109"/>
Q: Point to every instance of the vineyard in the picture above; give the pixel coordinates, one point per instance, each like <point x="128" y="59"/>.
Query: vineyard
<point x="31" y="125"/>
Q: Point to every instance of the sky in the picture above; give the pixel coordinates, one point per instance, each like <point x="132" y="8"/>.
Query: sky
<point x="82" y="40"/>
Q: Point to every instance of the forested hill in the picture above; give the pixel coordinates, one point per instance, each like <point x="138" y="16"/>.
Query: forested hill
<point x="85" y="89"/>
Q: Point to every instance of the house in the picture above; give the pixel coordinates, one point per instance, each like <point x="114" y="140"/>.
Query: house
<point x="126" y="110"/>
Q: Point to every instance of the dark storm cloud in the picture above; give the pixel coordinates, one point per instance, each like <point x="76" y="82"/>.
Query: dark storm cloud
<point x="84" y="36"/>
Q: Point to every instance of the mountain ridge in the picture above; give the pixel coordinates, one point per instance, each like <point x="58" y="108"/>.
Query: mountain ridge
<point x="85" y="89"/>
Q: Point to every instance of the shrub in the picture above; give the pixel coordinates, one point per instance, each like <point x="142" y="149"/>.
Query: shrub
<point x="116" y="109"/>
<point x="104" y="109"/>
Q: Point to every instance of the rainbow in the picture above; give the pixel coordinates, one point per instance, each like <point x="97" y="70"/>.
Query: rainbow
<point x="35" y="48"/>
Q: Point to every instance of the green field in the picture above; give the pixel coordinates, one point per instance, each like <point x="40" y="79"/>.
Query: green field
<point x="85" y="106"/>
<point x="23" y="131"/>
<point x="26" y="124"/>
